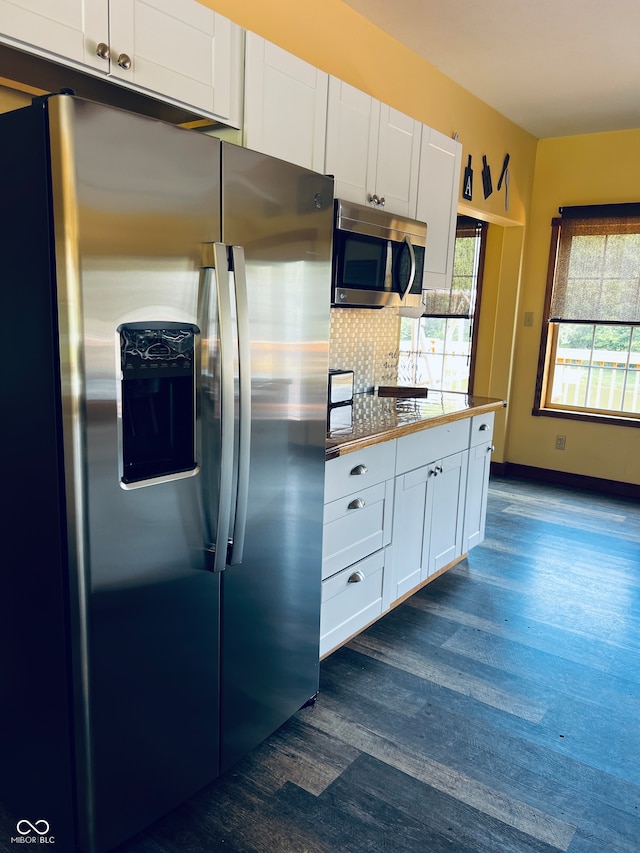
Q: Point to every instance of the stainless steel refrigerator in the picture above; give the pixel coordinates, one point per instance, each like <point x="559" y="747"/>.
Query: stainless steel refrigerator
<point x="165" y="311"/>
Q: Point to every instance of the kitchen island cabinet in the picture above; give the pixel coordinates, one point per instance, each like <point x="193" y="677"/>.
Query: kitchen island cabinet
<point x="179" y="50"/>
<point x="357" y="530"/>
<point x="481" y="448"/>
<point x="429" y="505"/>
<point x="422" y="507"/>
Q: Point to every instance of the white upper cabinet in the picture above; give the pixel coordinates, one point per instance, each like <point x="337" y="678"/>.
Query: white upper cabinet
<point x="60" y="28"/>
<point x="177" y="49"/>
<point x="285" y="105"/>
<point x="372" y="150"/>
<point x="398" y="159"/>
<point x="438" y="185"/>
<point x="352" y="140"/>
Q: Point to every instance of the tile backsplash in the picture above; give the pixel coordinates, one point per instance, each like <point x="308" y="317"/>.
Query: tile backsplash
<point x="366" y="341"/>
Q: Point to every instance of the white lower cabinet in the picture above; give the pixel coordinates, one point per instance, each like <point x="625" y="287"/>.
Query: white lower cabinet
<point x="351" y="599"/>
<point x="428" y="512"/>
<point x="395" y="515"/>
<point x="355" y="526"/>
<point x="357" y="529"/>
<point x="475" y="512"/>
<point x="428" y="519"/>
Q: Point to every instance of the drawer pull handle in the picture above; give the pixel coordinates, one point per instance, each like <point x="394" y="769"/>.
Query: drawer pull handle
<point x="356" y="577"/>
<point x="359" y="469"/>
<point x="356" y="503"/>
<point x="483" y="427"/>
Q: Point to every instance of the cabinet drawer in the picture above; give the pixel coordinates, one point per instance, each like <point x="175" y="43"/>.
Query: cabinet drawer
<point x="356" y="526"/>
<point x="482" y="429"/>
<point x="358" y="470"/>
<point x="419" y="448"/>
<point x="347" y="606"/>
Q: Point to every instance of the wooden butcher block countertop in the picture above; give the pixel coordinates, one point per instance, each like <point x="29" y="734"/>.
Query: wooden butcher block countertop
<point x="374" y="418"/>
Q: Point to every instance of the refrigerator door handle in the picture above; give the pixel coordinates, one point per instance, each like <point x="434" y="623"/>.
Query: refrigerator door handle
<point x="219" y="265"/>
<point x="244" y="426"/>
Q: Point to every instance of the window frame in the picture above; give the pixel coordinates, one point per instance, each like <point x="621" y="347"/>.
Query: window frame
<point x="547" y="355"/>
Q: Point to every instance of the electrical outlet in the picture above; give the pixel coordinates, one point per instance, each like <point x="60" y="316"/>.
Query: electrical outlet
<point x="528" y="318"/>
<point x="561" y="442"/>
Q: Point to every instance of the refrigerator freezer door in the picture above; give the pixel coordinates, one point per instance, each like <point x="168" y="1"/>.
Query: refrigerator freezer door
<point x="134" y="200"/>
<point x="281" y="216"/>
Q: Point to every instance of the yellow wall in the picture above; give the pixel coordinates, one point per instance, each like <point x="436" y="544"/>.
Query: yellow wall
<point x="596" y="168"/>
<point x="10" y="99"/>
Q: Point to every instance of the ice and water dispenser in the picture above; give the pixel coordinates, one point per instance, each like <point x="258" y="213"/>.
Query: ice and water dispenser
<point x="158" y="400"/>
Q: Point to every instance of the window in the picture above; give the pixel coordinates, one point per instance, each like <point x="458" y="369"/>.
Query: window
<point x="590" y="351"/>
<point x="438" y="349"/>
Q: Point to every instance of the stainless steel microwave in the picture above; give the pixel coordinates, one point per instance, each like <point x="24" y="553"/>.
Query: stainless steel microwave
<point x="378" y="257"/>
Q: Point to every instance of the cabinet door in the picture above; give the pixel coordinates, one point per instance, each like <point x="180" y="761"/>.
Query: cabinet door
<point x="397" y="161"/>
<point x="427" y="521"/>
<point x="180" y="49"/>
<point x="409" y="532"/>
<point x="66" y="29"/>
<point x="437" y="204"/>
<point x="352" y="141"/>
<point x="477" y="490"/>
<point x="444" y="513"/>
<point x="285" y="105"/>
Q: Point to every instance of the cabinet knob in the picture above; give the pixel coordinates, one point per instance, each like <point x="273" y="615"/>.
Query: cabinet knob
<point x="102" y="50"/>
<point x="356" y="503"/>
<point x="374" y="199"/>
<point x="356" y="577"/>
<point x="491" y="448"/>
<point x="359" y="469"/>
<point x="124" y="61"/>
<point x="382" y="201"/>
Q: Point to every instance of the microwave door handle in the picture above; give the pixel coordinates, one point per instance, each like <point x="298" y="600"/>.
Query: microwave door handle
<point x="412" y="274"/>
<point x="244" y="405"/>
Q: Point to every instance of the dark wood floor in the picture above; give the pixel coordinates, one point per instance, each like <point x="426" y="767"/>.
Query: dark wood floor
<point x="497" y="710"/>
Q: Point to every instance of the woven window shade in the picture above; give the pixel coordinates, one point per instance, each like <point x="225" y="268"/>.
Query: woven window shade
<point x="597" y="278"/>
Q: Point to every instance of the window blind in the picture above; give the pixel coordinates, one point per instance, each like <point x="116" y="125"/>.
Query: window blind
<point x="597" y="277"/>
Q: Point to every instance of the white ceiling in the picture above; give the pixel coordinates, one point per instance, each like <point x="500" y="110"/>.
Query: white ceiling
<point x="554" y="67"/>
